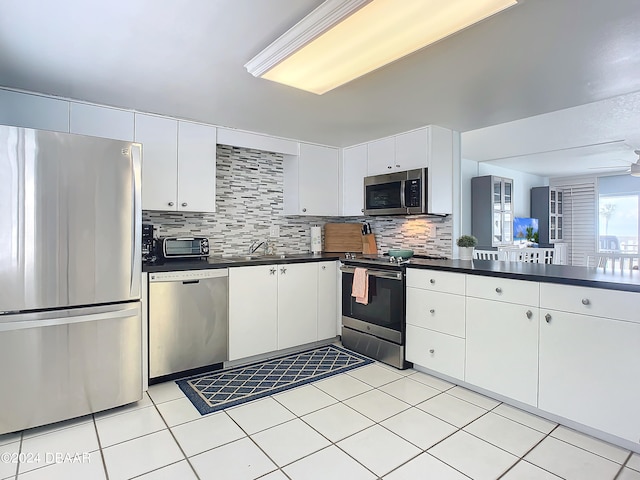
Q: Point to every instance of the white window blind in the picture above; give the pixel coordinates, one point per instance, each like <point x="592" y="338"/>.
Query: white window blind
<point x="580" y="220"/>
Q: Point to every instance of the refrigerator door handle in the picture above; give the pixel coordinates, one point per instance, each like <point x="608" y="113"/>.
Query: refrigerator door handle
<point x="136" y="219"/>
<point x="67" y="320"/>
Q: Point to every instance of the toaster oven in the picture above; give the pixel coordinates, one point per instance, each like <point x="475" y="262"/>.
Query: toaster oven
<point x="184" y="247"/>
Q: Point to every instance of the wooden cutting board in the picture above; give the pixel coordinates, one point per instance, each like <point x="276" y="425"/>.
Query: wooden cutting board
<point x="343" y="237"/>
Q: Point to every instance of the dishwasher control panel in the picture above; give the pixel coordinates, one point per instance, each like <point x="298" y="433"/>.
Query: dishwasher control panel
<point x="188" y="275"/>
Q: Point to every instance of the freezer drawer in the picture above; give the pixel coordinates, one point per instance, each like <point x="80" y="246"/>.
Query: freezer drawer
<point x="188" y="320"/>
<point x="67" y="363"/>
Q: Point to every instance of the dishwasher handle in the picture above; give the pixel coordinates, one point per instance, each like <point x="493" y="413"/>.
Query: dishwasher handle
<point x="187" y="282"/>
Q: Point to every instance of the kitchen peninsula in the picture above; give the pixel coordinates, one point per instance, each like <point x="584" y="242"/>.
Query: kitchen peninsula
<point x="559" y="341"/>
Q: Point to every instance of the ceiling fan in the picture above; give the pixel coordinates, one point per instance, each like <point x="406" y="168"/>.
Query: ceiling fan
<point x="633" y="170"/>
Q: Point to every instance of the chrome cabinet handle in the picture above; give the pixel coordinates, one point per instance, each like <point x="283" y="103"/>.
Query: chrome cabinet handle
<point x="283" y="270"/>
<point x="324" y="267"/>
<point x="498" y="290"/>
<point x="547" y="317"/>
<point x="432" y="311"/>
<point x="184" y="204"/>
<point x="397" y="166"/>
<point x="304" y="209"/>
<point x="432" y="351"/>
<point x="432" y="281"/>
<point x="171" y="204"/>
<point x="585" y="301"/>
<point x="529" y="314"/>
<point x="389" y="167"/>
<point x="272" y="271"/>
<point x="362" y="210"/>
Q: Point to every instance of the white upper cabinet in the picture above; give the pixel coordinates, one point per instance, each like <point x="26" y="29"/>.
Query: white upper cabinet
<point x="354" y="169"/>
<point x="178" y="164"/>
<point x="101" y="121"/>
<point x="159" y="138"/>
<point x="311" y="181"/>
<point x="196" y="167"/>
<point x="33" y="111"/>
<point x="381" y="156"/>
<point x="429" y="147"/>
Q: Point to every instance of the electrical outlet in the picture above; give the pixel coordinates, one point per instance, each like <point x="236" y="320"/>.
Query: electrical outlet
<point x="274" y="231"/>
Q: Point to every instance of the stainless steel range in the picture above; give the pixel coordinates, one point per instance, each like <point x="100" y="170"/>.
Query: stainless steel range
<point x="377" y="328"/>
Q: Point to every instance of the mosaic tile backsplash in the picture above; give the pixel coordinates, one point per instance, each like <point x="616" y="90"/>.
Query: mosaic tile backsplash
<point x="249" y="199"/>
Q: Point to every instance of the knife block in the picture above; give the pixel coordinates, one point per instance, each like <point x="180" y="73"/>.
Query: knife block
<point x="369" y="244"/>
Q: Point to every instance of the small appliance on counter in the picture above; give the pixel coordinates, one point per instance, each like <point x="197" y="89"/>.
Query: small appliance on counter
<point x="183" y="247"/>
<point x="316" y="239"/>
<point x="148" y="244"/>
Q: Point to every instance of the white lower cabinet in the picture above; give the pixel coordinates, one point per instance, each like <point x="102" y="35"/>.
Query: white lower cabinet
<point x="327" y="300"/>
<point x="437" y="351"/>
<point x="297" y="304"/>
<point x="502" y="348"/>
<point x="253" y="310"/>
<point x="590" y="371"/>
<point x="274" y="307"/>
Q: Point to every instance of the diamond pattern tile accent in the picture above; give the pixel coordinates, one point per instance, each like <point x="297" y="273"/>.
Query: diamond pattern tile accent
<point x="216" y="391"/>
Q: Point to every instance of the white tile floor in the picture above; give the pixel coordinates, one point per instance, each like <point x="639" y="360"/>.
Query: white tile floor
<point x="372" y="422"/>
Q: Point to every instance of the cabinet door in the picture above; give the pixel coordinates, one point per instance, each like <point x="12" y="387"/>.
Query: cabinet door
<point x="159" y="138"/>
<point x="381" y="156"/>
<point x="32" y="111"/>
<point x="502" y="348"/>
<point x="411" y="150"/>
<point x="297" y="304"/>
<point x="253" y="310"/>
<point x="354" y="169"/>
<point x="589" y="371"/>
<point x="196" y="167"/>
<point x="327" y="300"/>
<point x="101" y="121"/>
<point x="318" y="180"/>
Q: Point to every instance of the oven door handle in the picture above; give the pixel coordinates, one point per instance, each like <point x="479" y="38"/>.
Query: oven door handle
<point x="375" y="273"/>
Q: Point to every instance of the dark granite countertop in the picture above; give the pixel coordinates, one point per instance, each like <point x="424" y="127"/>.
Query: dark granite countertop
<point x="178" y="265"/>
<point x="538" y="272"/>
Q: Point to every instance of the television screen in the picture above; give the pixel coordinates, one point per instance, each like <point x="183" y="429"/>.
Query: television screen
<point x="525" y="229"/>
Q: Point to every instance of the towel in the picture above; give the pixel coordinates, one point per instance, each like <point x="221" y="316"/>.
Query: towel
<point x="360" y="286"/>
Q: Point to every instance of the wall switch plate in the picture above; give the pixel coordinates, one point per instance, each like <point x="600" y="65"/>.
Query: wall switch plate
<point x="274" y="231"/>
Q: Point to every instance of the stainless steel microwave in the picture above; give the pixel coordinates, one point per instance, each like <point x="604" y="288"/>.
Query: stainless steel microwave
<point x="398" y="193"/>
<point x="184" y="247"/>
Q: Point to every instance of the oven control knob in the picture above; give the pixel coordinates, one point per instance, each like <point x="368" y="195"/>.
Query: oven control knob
<point x="368" y="327"/>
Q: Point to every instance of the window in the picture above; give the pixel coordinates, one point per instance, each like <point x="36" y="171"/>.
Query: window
<point x="618" y="214"/>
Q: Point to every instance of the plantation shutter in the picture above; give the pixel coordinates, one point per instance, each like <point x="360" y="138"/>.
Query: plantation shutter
<point x="580" y="221"/>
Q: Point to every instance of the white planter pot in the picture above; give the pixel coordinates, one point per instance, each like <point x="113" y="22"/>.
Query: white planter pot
<point x="466" y="253"/>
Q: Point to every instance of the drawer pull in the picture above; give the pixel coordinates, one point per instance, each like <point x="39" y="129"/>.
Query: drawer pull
<point x="272" y="271"/>
<point x="283" y="270"/>
<point x="529" y="314"/>
<point x="498" y="290"/>
<point x="432" y="351"/>
<point x="585" y="301"/>
<point x="547" y="317"/>
<point x="432" y="311"/>
<point x="432" y="281"/>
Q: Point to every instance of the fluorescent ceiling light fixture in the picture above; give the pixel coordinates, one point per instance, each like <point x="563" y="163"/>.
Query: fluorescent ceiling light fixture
<point x="342" y="40"/>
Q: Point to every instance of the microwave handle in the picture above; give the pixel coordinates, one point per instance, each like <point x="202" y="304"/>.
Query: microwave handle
<point x="403" y="202"/>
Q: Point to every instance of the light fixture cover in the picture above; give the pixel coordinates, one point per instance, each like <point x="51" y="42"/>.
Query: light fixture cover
<point x="342" y="40"/>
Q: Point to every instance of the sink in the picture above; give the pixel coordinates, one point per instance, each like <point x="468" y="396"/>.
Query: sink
<point x="249" y="257"/>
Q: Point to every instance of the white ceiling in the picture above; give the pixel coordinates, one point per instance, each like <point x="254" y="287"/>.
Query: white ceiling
<point x="185" y="58"/>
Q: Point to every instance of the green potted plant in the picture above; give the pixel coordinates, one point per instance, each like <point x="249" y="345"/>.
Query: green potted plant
<point x="466" y="244"/>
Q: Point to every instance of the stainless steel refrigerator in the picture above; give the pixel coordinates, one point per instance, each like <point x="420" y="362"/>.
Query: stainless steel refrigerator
<point x="70" y="316"/>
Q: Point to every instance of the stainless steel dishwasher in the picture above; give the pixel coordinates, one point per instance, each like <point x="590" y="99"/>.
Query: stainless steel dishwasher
<point x="188" y="320"/>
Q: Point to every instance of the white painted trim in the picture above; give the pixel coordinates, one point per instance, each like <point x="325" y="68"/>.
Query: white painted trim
<point x="317" y="22"/>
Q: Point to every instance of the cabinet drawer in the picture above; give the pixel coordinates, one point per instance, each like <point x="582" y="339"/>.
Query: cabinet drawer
<point x="503" y="290"/>
<point x="442" y="312"/>
<point x="591" y="301"/>
<point x="436" y="281"/>
<point x="436" y="351"/>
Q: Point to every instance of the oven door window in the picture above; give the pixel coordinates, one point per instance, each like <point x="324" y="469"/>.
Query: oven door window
<point x="386" y="302"/>
<point x="384" y="196"/>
